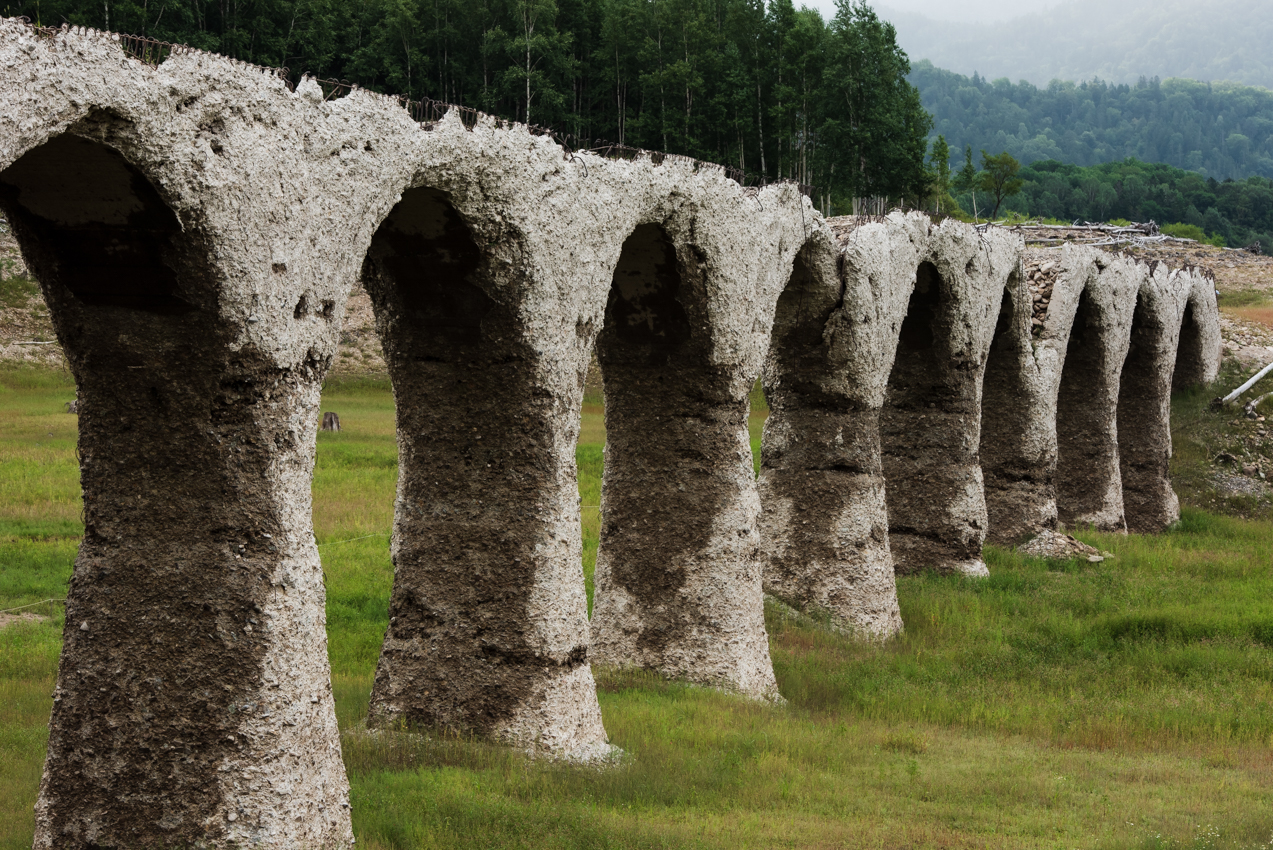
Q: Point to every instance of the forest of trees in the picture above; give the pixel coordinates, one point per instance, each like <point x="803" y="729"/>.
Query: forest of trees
<point x="775" y="91"/>
<point x="1238" y="211"/>
<point x="1219" y="130"/>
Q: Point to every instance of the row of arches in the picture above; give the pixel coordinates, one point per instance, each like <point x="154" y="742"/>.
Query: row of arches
<point x="985" y="427"/>
<point x="199" y="304"/>
<point x="197" y="439"/>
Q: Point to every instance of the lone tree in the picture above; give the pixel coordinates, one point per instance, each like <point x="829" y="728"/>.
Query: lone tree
<point x="999" y="178"/>
<point x="939" y="166"/>
<point x="965" y="180"/>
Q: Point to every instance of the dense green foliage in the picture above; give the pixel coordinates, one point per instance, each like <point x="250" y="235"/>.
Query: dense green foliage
<point x="1239" y="211"/>
<point x="770" y="89"/>
<point x="1219" y="130"/>
<point x="1083" y="39"/>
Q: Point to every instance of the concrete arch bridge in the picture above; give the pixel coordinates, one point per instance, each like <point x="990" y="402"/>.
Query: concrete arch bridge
<point x="196" y="228"/>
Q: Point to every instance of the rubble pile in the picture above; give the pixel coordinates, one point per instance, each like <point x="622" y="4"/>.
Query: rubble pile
<point x="1041" y="274"/>
<point x="1054" y="544"/>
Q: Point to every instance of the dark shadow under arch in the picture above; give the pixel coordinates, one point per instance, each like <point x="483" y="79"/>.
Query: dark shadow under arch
<point x="1190" y="365"/>
<point x="929" y="405"/>
<point x="1087" y="449"/>
<point x="658" y="486"/>
<point x="93" y="224"/>
<point x="677" y="471"/>
<point x="476" y="465"/>
<point x="1144" y="426"/>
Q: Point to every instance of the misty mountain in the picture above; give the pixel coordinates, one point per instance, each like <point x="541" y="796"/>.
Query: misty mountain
<point x="1118" y="42"/>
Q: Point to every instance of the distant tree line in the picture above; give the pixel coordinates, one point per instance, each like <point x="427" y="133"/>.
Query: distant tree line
<point x="1240" y="212"/>
<point x="1220" y="130"/>
<point x="773" y="90"/>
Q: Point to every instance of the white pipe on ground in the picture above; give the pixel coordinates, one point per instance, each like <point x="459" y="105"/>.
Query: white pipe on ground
<point x="1240" y="390"/>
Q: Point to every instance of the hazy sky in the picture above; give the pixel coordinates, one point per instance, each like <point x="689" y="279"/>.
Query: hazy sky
<point x="949" y="10"/>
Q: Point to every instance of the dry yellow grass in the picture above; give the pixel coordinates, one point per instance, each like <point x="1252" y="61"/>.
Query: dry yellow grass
<point x="1258" y="315"/>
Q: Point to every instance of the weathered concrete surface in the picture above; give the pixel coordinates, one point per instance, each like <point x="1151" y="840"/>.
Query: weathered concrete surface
<point x="488" y="621"/>
<point x="825" y="522"/>
<point x="1116" y="336"/>
<point x="491" y="283"/>
<point x="196" y="229"/>
<point x="1081" y="351"/>
<point x="943" y="312"/>
<point x="1018" y="447"/>
<point x="879" y="378"/>
<point x="193" y="704"/>
<point x="686" y="326"/>
<point x="1199" y="349"/>
<point x="1163" y="318"/>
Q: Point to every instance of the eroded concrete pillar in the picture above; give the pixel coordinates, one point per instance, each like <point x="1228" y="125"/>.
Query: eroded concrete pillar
<point x="1087" y="331"/>
<point x="1200" y="345"/>
<point x="678" y="585"/>
<point x="1144" y="403"/>
<point x="1165" y="336"/>
<point x="1018" y="443"/>
<point x="824" y="523"/>
<point x="931" y="415"/>
<point x="193" y="705"/>
<point x="488" y="622"/>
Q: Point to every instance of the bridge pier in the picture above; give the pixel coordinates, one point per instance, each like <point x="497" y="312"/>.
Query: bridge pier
<point x="678" y="577"/>
<point x="193" y="704"/>
<point x="488" y="628"/>
<point x="825" y="522"/>
<point x="930" y="420"/>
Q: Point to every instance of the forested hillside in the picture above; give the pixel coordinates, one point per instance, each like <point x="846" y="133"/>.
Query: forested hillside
<point x="1219" y="130"/>
<point x="1120" y="42"/>
<point x="1238" y="211"/>
<point x="770" y="89"/>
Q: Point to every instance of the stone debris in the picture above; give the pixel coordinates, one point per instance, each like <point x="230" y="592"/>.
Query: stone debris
<point x="1041" y="273"/>
<point x="1056" y="545"/>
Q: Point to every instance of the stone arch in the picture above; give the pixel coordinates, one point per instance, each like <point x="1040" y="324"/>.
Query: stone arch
<point x="1088" y="483"/>
<point x="928" y="428"/>
<point x="1018" y="476"/>
<point x="1187" y="368"/>
<point x="823" y="524"/>
<point x="678" y="575"/>
<point x="96" y="227"/>
<point x="196" y="582"/>
<point x="1144" y="409"/>
<point x="1197" y="360"/>
<point x="488" y="626"/>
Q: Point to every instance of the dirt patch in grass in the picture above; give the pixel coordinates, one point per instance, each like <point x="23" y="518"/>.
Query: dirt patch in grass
<point x="7" y="620"/>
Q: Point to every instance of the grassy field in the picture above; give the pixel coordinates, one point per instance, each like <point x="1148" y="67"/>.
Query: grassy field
<point x="1121" y="704"/>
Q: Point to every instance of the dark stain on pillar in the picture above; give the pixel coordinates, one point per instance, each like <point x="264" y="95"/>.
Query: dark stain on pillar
<point x="475" y="457"/>
<point x="831" y="456"/>
<point x="1017" y="483"/>
<point x="1144" y="425"/>
<point x="929" y="409"/>
<point x="158" y="674"/>
<point x="671" y="432"/>
<point x="1087" y="451"/>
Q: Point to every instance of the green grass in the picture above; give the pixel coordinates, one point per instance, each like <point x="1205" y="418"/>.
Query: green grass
<point x="1200" y="435"/>
<point x="1126" y="704"/>
<point x="1237" y="299"/>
